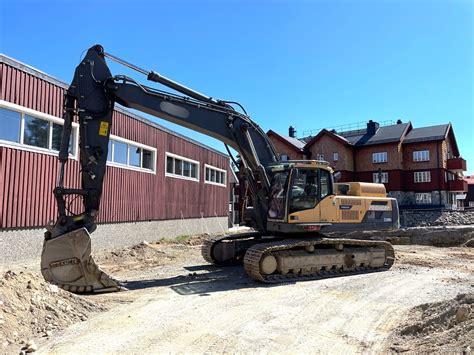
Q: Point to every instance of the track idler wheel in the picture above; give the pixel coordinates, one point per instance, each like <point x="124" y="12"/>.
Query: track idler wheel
<point x="66" y="261"/>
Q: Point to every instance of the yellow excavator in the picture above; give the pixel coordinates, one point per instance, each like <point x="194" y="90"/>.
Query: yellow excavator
<point x="294" y="203"/>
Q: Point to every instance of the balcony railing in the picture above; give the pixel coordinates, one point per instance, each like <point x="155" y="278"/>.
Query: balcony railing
<point x="457" y="164"/>
<point x="457" y="185"/>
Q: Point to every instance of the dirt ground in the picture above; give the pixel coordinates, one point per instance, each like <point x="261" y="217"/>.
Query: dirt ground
<point x="178" y="303"/>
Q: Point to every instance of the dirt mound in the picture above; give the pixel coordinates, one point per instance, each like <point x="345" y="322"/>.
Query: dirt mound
<point x="442" y="327"/>
<point x="132" y="258"/>
<point x="145" y="254"/>
<point x="32" y="308"/>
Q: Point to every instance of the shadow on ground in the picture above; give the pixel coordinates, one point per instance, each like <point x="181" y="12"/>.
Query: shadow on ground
<point x="207" y="279"/>
<point x="202" y="280"/>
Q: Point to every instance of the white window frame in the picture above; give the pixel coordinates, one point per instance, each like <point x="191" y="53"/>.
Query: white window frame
<point x="45" y="117"/>
<point x="320" y="157"/>
<point x="176" y="156"/>
<point x="335" y="156"/>
<point x="129" y="143"/>
<point x="422" y="198"/>
<point x="384" y="177"/>
<point x="284" y="157"/>
<point x="379" y="157"/>
<point x="421" y="155"/>
<point x="422" y="176"/>
<point x="217" y="169"/>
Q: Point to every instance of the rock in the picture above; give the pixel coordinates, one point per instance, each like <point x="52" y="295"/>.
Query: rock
<point x="462" y="314"/>
<point x="31" y="346"/>
<point x="53" y="288"/>
<point x="48" y="333"/>
<point x="467" y="351"/>
<point x="9" y="274"/>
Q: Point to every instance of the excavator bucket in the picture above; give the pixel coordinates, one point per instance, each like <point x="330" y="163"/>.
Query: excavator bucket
<point x="66" y="261"/>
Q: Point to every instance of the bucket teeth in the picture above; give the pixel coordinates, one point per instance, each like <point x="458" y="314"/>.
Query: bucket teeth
<point x="66" y="261"/>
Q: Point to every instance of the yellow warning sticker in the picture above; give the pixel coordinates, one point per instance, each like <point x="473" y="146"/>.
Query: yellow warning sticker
<point x="104" y="128"/>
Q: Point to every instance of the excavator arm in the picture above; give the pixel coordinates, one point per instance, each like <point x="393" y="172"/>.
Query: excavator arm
<point x="66" y="259"/>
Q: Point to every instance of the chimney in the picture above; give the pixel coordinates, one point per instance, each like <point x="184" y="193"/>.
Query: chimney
<point x="399" y="121"/>
<point x="292" y="132"/>
<point x="372" y="127"/>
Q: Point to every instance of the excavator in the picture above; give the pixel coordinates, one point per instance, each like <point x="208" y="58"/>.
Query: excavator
<point x="295" y="203"/>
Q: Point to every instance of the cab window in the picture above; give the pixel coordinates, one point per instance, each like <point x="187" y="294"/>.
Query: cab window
<point x="308" y="187"/>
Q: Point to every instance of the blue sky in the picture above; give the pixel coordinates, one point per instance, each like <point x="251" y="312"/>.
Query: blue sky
<point x="310" y="64"/>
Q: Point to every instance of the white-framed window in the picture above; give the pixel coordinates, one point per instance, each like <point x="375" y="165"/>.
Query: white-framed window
<point x="181" y="167"/>
<point x="124" y="153"/>
<point x="422" y="197"/>
<point x="27" y="129"/>
<point x="215" y="175"/>
<point x="422" y="176"/>
<point x="335" y="156"/>
<point x="379" y="157"/>
<point x="320" y="157"/>
<point x="384" y="176"/>
<point x="421" y="155"/>
<point x="284" y="157"/>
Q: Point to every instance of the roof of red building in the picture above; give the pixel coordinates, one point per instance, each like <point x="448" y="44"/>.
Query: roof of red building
<point x="294" y="143"/>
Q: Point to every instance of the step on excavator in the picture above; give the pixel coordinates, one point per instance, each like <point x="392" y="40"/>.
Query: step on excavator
<point x="295" y="203"/>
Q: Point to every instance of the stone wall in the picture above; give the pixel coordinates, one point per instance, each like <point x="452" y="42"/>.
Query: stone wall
<point x="414" y="218"/>
<point x="437" y="236"/>
<point x="407" y="198"/>
<point x="23" y="245"/>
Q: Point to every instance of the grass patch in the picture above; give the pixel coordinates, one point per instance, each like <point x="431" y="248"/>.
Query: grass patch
<point x="182" y="238"/>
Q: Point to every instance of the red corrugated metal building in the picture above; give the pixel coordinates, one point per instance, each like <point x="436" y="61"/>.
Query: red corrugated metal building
<point x="152" y="174"/>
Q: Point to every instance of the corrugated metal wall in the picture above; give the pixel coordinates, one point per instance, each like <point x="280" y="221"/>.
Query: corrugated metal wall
<point x="27" y="178"/>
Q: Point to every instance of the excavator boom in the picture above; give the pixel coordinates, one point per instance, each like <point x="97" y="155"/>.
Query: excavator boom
<point x="66" y="259"/>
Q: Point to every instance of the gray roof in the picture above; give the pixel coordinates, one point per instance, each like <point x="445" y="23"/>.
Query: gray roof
<point x="293" y="141"/>
<point x="42" y="75"/>
<point x="429" y="133"/>
<point x="385" y="134"/>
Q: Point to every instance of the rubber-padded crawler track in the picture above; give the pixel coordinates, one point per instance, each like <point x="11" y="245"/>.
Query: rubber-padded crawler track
<point x="255" y="254"/>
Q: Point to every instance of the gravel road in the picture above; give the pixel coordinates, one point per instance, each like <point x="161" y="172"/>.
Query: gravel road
<point x="188" y="306"/>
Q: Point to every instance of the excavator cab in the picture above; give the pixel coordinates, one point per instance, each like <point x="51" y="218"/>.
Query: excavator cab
<point x="305" y="199"/>
<point x="297" y="186"/>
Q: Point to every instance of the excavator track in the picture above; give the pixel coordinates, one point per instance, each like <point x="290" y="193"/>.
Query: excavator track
<point x="230" y="249"/>
<point x="310" y="259"/>
<point x="206" y="249"/>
